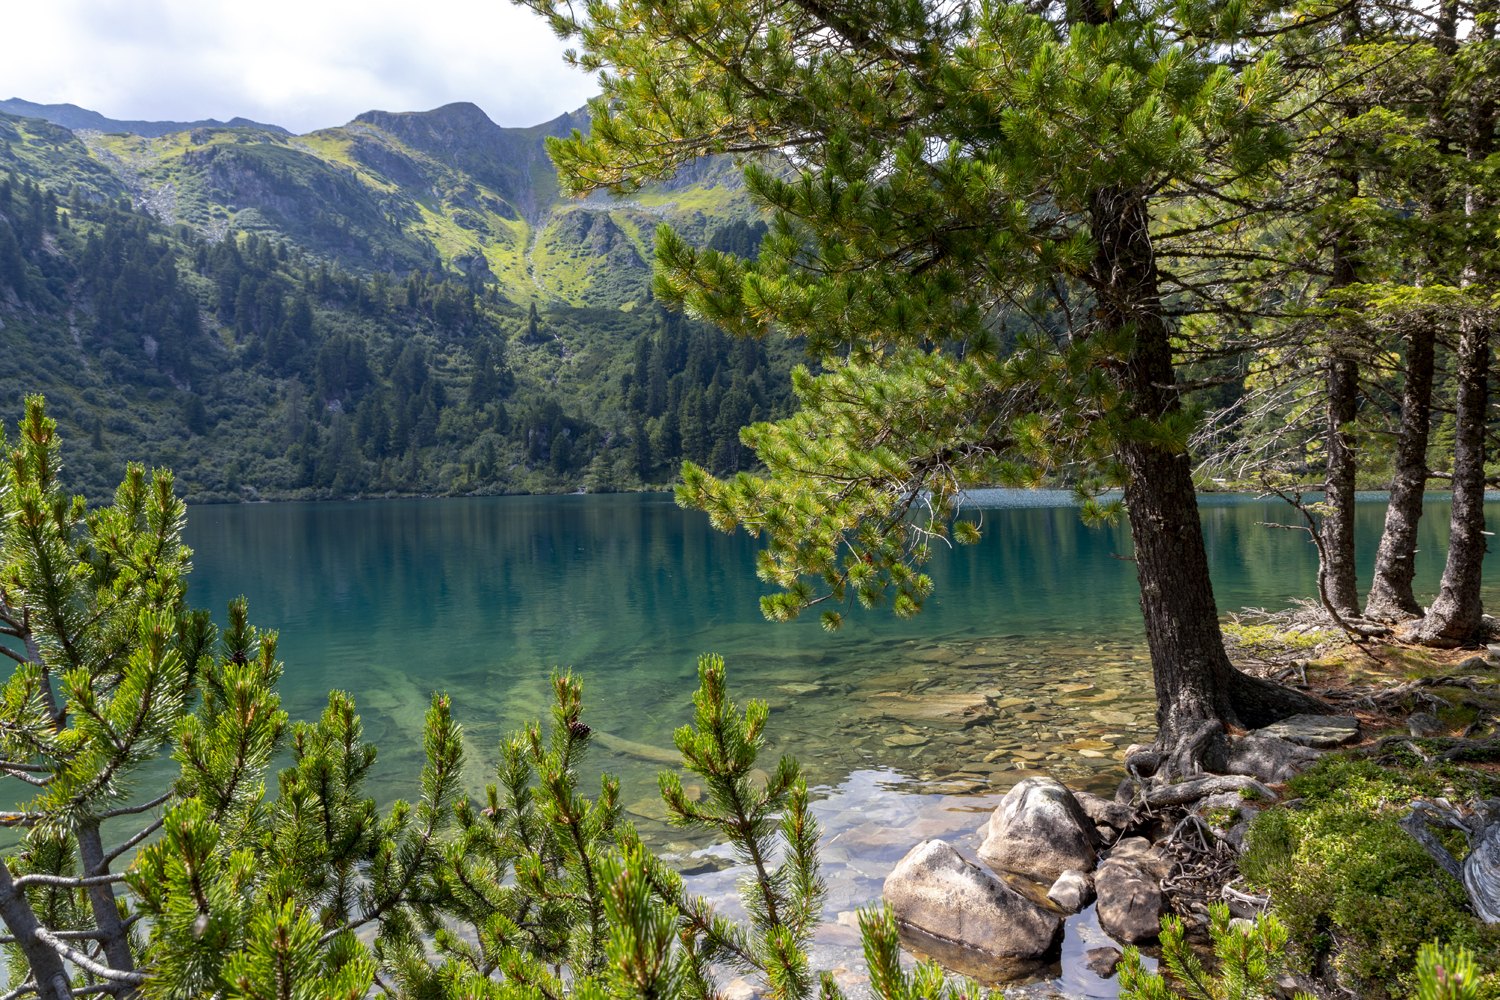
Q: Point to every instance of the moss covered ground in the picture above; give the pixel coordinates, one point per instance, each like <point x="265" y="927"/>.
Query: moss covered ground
<point x="1359" y="895"/>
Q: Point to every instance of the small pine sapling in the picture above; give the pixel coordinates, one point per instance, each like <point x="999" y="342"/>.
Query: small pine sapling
<point x="1248" y="959"/>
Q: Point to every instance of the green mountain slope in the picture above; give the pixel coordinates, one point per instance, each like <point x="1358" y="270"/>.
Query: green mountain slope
<point x="398" y="306"/>
<point x="424" y="190"/>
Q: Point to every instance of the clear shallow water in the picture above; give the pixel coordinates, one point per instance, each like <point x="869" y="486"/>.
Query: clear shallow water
<point x="483" y="598"/>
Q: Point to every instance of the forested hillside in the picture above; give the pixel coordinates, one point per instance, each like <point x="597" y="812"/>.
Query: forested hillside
<point x="257" y="371"/>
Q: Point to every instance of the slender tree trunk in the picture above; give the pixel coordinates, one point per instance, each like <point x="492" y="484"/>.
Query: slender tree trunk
<point x="1340" y="584"/>
<point x="46" y="965"/>
<point x="1391" y="595"/>
<point x="1338" y="523"/>
<point x="113" y="935"/>
<point x="1455" y="618"/>
<point x="1195" y="681"/>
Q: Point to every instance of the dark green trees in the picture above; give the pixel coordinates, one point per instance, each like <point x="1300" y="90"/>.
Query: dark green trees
<point x="691" y="389"/>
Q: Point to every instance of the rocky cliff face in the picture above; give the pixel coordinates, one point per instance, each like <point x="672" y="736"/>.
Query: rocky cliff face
<point x="462" y="137"/>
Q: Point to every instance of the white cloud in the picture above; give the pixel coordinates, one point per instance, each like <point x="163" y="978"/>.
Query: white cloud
<point x="302" y="64"/>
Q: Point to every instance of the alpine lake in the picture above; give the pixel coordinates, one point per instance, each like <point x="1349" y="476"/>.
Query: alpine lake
<point x="484" y="598"/>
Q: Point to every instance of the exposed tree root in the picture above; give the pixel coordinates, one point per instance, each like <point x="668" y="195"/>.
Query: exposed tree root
<point x="1479" y="872"/>
<point x="1387" y="698"/>
<point x="1260" y="702"/>
<point x="1450" y="749"/>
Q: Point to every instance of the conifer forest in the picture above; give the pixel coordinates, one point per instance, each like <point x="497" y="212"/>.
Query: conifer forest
<point x="838" y="275"/>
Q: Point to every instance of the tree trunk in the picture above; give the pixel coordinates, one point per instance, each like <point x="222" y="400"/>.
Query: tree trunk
<point x="1195" y="681"/>
<point x="1391" y="596"/>
<point x="1338" y="524"/>
<point x="1455" y="618"/>
<point x="46" y="965"/>
<point x="113" y="935"/>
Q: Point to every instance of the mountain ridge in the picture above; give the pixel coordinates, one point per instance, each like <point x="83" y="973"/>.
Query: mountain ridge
<point x="402" y="305"/>
<point x="72" y="116"/>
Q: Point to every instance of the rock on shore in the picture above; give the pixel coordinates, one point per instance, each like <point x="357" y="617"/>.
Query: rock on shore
<point x="1040" y="829"/>
<point x="1130" y="902"/>
<point x="936" y="891"/>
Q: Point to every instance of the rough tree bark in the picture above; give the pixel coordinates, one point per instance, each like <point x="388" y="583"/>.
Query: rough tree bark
<point x="1391" y="596"/>
<point x="1456" y="617"/>
<point x="1338" y="524"/>
<point x="1195" y="682"/>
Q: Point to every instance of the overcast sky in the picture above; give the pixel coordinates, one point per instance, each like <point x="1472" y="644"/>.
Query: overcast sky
<point x="301" y="64"/>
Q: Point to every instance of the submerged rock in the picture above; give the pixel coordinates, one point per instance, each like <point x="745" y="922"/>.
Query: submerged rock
<point x="934" y="890"/>
<point x="1322" y="732"/>
<point x="1102" y="962"/>
<point x="1073" y="890"/>
<point x="1040" y="829"/>
<point x="941" y="710"/>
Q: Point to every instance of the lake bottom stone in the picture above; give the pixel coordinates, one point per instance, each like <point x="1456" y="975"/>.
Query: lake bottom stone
<point x="1102" y="962"/>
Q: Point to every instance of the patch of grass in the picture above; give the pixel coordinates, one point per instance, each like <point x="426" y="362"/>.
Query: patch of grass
<point x="1351" y="886"/>
<point x="1270" y="639"/>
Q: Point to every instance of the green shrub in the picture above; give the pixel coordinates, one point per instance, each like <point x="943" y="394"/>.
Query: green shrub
<point x="1351" y="885"/>
<point x="1247" y="961"/>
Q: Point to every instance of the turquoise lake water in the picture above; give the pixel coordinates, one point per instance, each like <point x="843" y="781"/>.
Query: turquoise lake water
<point x="484" y="597"/>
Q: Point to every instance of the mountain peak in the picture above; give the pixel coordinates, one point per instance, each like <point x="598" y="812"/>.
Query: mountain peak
<point x="446" y="126"/>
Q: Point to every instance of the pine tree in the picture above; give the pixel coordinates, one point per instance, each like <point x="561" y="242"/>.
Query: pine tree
<point x="530" y="889"/>
<point x="482" y="387"/>
<point x="935" y="181"/>
<point x="195" y="414"/>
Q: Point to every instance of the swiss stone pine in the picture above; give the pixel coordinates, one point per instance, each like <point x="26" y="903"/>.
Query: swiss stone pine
<point x="963" y="200"/>
<point x="133" y="721"/>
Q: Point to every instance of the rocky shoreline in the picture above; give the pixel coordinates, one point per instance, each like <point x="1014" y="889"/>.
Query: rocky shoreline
<point x="1049" y="851"/>
<point x="1153" y="849"/>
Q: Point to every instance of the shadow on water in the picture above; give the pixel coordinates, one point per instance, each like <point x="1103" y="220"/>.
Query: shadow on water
<point x="484" y="597"/>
